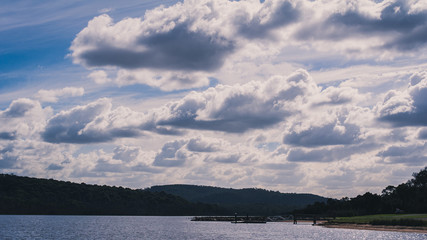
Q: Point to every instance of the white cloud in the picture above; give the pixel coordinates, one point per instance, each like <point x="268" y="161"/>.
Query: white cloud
<point x="99" y="77"/>
<point x="407" y="107"/>
<point x="53" y="95"/>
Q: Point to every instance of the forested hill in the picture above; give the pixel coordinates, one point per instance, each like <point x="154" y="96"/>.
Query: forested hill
<point x="25" y="195"/>
<point x="244" y="201"/>
<point x="409" y="197"/>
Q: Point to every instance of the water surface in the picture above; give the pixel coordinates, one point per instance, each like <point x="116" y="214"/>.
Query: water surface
<point x="143" y="227"/>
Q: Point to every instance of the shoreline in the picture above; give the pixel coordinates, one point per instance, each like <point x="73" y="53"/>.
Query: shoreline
<point x="408" y="229"/>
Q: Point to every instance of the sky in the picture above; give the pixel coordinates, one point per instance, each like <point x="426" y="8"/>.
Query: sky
<point x="303" y="96"/>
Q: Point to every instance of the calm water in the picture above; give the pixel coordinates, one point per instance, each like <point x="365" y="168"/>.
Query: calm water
<point x="126" y="227"/>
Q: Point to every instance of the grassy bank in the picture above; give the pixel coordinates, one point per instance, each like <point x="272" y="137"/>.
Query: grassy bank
<point x="386" y="219"/>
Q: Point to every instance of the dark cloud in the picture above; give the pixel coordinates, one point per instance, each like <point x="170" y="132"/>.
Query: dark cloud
<point x="7" y="158"/>
<point x="422" y="134"/>
<point x="408" y="29"/>
<point x="199" y="39"/>
<point x="8" y="135"/>
<point x="223" y="158"/>
<point x="324" y="135"/>
<point x="331" y="154"/>
<point x="299" y="155"/>
<point x="253" y="27"/>
<point x="170" y="155"/>
<point x="406" y="108"/>
<point x="54" y="167"/>
<point x="18" y="108"/>
<point x="235" y="124"/>
<point x="177" y="49"/>
<point x="105" y="166"/>
<point x="412" y="155"/>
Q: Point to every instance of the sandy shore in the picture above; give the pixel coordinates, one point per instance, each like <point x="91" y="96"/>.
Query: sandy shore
<point x="377" y="227"/>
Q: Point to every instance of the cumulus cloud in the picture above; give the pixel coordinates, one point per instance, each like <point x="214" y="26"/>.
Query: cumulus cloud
<point x="53" y="95"/>
<point x="334" y="133"/>
<point x="8" y="157"/>
<point x="407" y="107"/>
<point x="185" y="39"/>
<point x="337" y="96"/>
<point x="99" y="77"/>
<point x="201" y="150"/>
<point x="171" y="155"/>
<point x="239" y="108"/>
<point x="231" y="109"/>
<point x="176" y="47"/>
<point x="24" y="118"/>
<point x="267" y="17"/>
<point x="395" y="22"/>
<point x="126" y="153"/>
<point x="19" y="108"/>
<point x="167" y="38"/>
<point x="94" y="122"/>
<point x="409" y="155"/>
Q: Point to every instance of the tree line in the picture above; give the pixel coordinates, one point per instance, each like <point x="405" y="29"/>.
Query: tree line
<point x="409" y="197"/>
<point x="25" y="195"/>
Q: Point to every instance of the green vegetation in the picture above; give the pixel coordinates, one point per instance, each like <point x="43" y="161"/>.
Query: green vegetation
<point x="409" y="197"/>
<point x="24" y="195"/>
<point x="250" y="201"/>
<point x="386" y="219"/>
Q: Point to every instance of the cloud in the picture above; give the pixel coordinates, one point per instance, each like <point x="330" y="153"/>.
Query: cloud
<point x="167" y="38"/>
<point x="23" y="119"/>
<point x="200" y="144"/>
<point x="370" y="29"/>
<point x="407" y="107"/>
<point x="171" y="155"/>
<point x="422" y="134"/>
<point x="53" y="95"/>
<point x="192" y="151"/>
<point x="224" y="158"/>
<point x="54" y="167"/>
<point x="8" y="135"/>
<point x="239" y="108"/>
<point x="269" y="16"/>
<point x="337" y="96"/>
<point x="8" y="158"/>
<point x="92" y="123"/>
<point x="126" y="153"/>
<point x="164" y="80"/>
<point x="231" y="109"/>
<point x="179" y="43"/>
<point x="19" y="108"/>
<point x="99" y="77"/>
<point x="411" y="155"/>
<point x="335" y="133"/>
<point x="331" y="153"/>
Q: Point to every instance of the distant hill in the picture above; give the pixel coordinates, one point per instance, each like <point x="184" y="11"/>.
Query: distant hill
<point x="251" y="201"/>
<point x="25" y="195"/>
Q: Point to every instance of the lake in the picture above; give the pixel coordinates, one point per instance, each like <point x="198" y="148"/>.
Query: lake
<point x="143" y="227"/>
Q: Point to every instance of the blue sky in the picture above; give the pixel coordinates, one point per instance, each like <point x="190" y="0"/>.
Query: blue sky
<point x="325" y="97"/>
